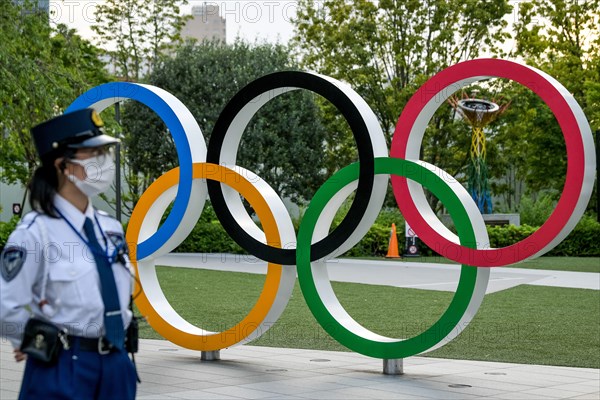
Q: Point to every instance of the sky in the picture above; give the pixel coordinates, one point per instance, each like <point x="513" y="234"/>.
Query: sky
<point x="251" y="20"/>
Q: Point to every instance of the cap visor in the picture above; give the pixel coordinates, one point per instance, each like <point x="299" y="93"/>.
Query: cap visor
<point x="96" y="141"/>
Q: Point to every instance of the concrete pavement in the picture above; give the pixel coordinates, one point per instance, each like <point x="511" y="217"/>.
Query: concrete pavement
<point x="250" y="372"/>
<point x="429" y="276"/>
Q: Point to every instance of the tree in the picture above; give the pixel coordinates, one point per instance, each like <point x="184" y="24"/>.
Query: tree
<point x="140" y="31"/>
<point x="42" y="71"/>
<point x="282" y="143"/>
<point x="562" y="38"/>
<point x="140" y="35"/>
<point x="387" y="49"/>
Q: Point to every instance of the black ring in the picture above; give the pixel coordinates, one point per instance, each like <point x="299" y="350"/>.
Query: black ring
<point x="329" y="91"/>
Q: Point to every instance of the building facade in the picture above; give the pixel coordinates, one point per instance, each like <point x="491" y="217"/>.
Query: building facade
<point x="39" y="5"/>
<point x="206" y="24"/>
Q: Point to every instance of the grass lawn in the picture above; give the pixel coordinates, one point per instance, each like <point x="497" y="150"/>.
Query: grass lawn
<point x="525" y="324"/>
<point x="575" y="264"/>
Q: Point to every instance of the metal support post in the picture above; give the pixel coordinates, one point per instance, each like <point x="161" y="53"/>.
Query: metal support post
<point x="393" y="367"/>
<point x="210" y="355"/>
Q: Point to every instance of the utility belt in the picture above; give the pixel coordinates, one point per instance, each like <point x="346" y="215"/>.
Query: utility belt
<point x="44" y="341"/>
<point x="97" y="345"/>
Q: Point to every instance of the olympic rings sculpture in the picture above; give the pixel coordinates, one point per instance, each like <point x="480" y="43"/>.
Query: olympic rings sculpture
<point x="212" y="171"/>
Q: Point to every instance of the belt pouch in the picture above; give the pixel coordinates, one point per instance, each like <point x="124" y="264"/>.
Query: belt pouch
<point x="132" y="336"/>
<point x="41" y="340"/>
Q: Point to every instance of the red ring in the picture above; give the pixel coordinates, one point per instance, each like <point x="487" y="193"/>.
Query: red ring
<point x="553" y="94"/>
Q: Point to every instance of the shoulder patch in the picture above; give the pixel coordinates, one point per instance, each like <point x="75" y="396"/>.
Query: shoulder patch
<point x="11" y="262"/>
<point x="118" y="240"/>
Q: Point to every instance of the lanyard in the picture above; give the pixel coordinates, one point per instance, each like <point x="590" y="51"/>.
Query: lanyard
<point x="111" y="259"/>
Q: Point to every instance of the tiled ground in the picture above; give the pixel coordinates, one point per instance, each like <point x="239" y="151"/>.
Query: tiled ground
<point x="250" y="372"/>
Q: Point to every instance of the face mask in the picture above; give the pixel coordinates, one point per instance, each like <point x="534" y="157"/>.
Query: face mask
<point x="100" y="171"/>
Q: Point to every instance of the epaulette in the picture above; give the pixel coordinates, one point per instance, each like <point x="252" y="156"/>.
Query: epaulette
<point x="104" y="215"/>
<point x="28" y="220"/>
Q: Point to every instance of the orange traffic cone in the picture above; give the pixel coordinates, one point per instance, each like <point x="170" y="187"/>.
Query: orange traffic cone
<point x="393" y="244"/>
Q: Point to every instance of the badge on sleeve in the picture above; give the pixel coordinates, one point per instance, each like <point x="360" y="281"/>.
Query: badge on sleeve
<point x="11" y="262"/>
<point x="118" y="240"/>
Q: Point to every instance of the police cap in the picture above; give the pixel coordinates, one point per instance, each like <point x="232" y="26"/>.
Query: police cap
<point x="73" y="130"/>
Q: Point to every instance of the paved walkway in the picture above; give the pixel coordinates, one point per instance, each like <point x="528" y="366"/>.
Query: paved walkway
<point x="251" y="372"/>
<point x="428" y="276"/>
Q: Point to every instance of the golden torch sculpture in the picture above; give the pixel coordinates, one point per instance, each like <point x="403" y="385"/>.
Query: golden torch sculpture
<point x="478" y="113"/>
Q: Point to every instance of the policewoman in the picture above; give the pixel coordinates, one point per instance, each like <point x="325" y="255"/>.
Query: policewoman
<point x="65" y="288"/>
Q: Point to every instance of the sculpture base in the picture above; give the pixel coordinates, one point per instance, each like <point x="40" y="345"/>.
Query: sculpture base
<point x="210" y="355"/>
<point x="490" y="219"/>
<point x="393" y="367"/>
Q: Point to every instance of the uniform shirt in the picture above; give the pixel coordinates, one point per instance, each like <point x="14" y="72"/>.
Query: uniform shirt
<point x="72" y="284"/>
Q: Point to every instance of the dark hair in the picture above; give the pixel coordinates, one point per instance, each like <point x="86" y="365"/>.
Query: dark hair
<point x="44" y="184"/>
<point x="42" y="189"/>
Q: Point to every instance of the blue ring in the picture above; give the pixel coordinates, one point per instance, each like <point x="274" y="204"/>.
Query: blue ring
<point x="152" y="100"/>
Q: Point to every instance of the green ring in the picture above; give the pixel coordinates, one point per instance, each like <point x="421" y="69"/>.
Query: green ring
<point x="391" y="348"/>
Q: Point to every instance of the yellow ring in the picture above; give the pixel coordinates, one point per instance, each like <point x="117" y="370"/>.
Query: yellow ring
<point x="256" y="316"/>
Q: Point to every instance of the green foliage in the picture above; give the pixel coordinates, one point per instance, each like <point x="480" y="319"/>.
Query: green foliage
<point x="42" y="70"/>
<point x="6" y="229"/>
<point x="282" y="143"/>
<point x="385" y="50"/>
<point x="376" y="240"/>
<point x="140" y="34"/>
<point x="584" y="241"/>
<point x="562" y="38"/>
<point x="208" y="236"/>
<point x="530" y="148"/>
<point x="535" y="212"/>
<point x="140" y="31"/>
<point x="567" y="45"/>
<point x="389" y="216"/>
<point x="502" y="236"/>
<point x="373" y="244"/>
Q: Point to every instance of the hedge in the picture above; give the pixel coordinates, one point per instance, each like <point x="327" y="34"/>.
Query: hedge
<point x="502" y="236"/>
<point x="583" y="241"/>
<point x="208" y="236"/>
<point x="374" y="243"/>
